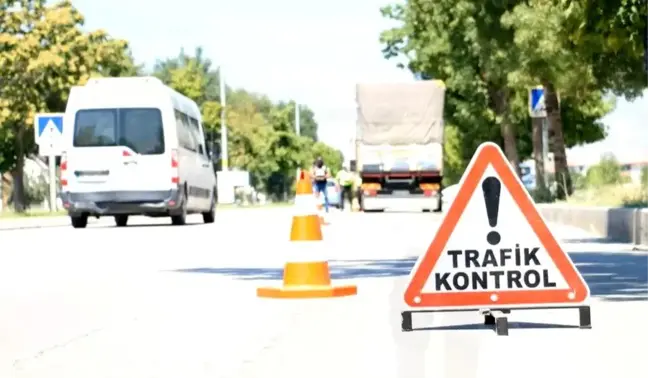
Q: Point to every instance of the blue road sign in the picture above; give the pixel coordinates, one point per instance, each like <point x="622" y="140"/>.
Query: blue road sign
<point x="537" y="102"/>
<point x="537" y="99"/>
<point x="44" y="121"/>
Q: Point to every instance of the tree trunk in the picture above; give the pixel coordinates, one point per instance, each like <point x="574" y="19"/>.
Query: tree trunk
<point x="563" y="178"/>
<point x="536" y="127"/>
<point x="500" y="100"/>
<point x="18" y="173"/>
<point x="510" y="145"/>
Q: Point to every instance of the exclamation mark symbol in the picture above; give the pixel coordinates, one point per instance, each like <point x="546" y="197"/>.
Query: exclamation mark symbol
<point x="492" y="188"/>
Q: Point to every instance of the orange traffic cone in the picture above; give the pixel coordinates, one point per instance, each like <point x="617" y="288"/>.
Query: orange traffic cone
<point x="309" y="278"/>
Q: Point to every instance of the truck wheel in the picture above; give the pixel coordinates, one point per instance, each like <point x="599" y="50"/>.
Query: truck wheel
<point x="121" y="220"/>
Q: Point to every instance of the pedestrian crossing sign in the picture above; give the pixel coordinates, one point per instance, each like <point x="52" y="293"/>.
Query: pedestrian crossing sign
<point x="537" y="108"/>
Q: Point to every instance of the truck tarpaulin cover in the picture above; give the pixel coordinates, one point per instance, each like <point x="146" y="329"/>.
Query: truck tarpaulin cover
<point x="400" y="113"/>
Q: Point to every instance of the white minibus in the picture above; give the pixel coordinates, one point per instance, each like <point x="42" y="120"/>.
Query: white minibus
<point x="134" y="146"/>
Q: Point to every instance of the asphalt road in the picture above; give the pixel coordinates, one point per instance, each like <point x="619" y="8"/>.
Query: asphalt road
<point x="152" y="300"/>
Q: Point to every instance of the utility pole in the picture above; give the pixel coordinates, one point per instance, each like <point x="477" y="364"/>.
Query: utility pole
<point x="297" y="126"/>
<point x="297" y="119"/>
<point x="223" y="101"/>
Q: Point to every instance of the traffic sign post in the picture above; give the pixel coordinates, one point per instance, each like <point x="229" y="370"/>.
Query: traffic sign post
<point x="48" y="129"/>
<point x="494" y="252"/>
<point x="537" y="109"/>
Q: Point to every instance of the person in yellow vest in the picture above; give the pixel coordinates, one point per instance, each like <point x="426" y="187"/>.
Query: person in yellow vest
<point x="345" y="181"/>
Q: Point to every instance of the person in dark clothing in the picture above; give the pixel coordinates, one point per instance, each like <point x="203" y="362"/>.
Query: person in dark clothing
<point x="321" y="174"/>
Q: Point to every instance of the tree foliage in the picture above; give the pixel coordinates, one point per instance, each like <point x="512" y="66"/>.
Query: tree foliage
<point x="261" y="133"/>
<point x="490" y="53"/>
<point x="44" y="51"/>
<point x="612" y="34"/>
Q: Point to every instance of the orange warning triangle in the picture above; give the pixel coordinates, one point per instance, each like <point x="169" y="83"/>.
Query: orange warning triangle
<point x="493" y="248"/>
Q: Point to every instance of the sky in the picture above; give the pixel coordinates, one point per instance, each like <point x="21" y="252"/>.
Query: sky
<point x="312" y="52"/>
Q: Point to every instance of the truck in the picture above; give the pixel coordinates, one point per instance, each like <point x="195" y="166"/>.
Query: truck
<point x="399" y="145"/>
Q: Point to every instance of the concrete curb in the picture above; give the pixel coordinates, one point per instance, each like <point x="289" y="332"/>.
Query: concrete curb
<point x="33" y="222"/>
<point x="616" y="224"/>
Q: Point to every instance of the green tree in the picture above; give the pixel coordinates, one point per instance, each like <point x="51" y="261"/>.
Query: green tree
<point x="307" y="123"/>
<point x="261" y="134"/>
<point x="252" y="142"/>
<point x="548" y="60"/>
<point x="43" y="52"/>
<point x="331" y="156"/>
<point x="476" y="51"/>
<point x="454" y="163"/>
<point x="611" y="35"/>
<point x="463" y="44"/>
<point x="192" y="75"/>
<point x="580" y="48"/>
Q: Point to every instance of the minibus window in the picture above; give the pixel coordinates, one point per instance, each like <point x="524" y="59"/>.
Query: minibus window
<point x="139" y="129"/>
<point x="95" y="128"/>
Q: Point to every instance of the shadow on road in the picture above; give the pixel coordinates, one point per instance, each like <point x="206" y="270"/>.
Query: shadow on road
<point x="340" y="269"/>
<point x="482" y="327"/>
<point x="612" y="276"/>
<point x="144" y="225"/>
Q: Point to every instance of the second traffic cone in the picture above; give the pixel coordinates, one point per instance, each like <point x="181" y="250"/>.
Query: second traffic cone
<point x="310" y="277"/>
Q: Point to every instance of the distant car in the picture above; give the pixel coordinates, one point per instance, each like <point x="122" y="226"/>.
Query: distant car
<point x="333" y="193"/>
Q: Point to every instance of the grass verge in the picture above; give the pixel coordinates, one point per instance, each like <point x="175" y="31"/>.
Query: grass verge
<point x="10" y="214"/>
<point x="630" y="196"/>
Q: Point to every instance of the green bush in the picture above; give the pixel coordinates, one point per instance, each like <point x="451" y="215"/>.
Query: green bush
<point x="579" y="180"/>
<point x="611" y="195"/>
<point x="542" y="196"/>
<point x="606" y="172"/>
<point x="644" y="177"/>
<point x="36" y="190"/>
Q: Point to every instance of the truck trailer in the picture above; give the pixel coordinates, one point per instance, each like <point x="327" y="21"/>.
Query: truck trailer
<point x="399" y="145"/>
